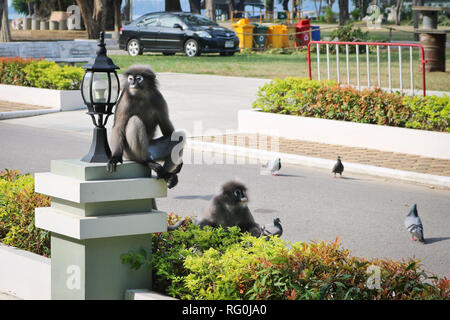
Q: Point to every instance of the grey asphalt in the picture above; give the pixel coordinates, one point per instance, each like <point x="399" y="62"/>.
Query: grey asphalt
<point x="366" y="213"/>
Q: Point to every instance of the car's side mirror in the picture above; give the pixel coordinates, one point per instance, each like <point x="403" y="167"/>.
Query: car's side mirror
<point x="177" y="25"/>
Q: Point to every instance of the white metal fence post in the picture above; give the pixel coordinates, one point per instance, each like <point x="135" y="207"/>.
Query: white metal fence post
<point x="357" y="66"/>
<point x="318" y="61"/>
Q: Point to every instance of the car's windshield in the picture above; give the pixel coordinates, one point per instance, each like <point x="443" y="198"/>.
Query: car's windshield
<point x="196" y="20"/>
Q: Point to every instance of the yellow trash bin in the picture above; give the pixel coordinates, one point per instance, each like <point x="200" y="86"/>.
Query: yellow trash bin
<point x="244" y="31"/>
<point x="291" y="36"/>
<point x="277" y="36"/>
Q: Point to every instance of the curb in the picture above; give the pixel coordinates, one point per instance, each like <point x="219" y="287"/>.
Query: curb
<point x="422" y="178"/>
<point x="25" y="113"/>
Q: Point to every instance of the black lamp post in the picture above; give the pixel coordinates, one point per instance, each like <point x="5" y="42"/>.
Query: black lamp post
<point x="100" y="91"/>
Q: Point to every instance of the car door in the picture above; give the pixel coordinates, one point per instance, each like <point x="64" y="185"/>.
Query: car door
<point x="170" y="38"/>
<point x="149" y="31"/>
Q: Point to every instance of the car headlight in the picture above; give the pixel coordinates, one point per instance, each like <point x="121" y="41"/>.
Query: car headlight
<point x="203" y="34"/>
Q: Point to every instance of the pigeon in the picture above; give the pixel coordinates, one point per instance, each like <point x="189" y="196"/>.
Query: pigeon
<point x="271" y="167"/>
<point x="338" y="167"/>
<point x="274" y="229"/>
<point x="414" y="225"/>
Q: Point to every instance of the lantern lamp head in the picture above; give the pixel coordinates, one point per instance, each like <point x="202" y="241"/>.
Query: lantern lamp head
<point x="100" y="90"/>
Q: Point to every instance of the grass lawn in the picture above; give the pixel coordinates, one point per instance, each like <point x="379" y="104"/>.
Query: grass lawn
<point x="271" y="66"/>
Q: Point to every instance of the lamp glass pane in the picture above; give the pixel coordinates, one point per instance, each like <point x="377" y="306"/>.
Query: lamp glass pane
<point x="86" y="87"/>
<point x="114" y="88"/>
<point x="100" y="87"/>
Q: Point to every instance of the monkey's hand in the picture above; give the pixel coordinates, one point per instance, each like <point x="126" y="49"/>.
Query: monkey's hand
<point x="171" y="179"/>
<point x="112" y="163"/>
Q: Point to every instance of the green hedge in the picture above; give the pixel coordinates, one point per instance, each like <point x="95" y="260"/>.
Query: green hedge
<point x="17" y="203"/>
<point x="191" y="263"/>
<point x="40" y="74"/>
<point x="329" y="100"/>
<point x="216" y="264"/>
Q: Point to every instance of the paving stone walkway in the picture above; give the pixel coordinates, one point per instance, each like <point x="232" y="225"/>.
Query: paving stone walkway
<point x="372" y="157"/>
<point x="6" y="106"/>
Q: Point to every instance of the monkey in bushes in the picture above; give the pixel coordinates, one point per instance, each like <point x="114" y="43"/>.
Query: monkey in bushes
<point x="140" y="110"/>
<point x="227" y="209"/>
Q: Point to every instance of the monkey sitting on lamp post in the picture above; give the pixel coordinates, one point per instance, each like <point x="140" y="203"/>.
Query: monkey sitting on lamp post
<point x="140" y="109"/>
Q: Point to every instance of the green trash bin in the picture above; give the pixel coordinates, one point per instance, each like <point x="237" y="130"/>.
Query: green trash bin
<point x="259" y="37"/>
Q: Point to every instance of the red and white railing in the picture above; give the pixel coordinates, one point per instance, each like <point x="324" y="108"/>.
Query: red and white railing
<point x="358" y="73"/>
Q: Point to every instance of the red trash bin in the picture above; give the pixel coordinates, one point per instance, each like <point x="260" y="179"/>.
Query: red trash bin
<point x="302" y="39"/>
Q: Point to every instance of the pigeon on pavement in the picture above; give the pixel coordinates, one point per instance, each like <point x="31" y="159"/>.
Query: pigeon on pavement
<point x="338" y="167"/>
<point x="414" y="225"/>
<point x="274" y="229"/>
<point x="271" y="167"/>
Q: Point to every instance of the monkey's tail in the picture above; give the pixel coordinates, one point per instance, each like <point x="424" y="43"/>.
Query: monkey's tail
<point x="176" y="225"/>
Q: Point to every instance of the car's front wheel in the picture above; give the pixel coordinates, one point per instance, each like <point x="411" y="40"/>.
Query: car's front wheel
<point x="134" y="48"/>
<point x="191" y="48"/>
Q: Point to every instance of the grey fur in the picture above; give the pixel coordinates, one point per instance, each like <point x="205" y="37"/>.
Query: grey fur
<point x="140" y="109"/>
<point x="228" y="209"/>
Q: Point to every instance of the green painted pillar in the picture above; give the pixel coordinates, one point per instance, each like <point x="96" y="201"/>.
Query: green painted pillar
<point x="95" y="217"/>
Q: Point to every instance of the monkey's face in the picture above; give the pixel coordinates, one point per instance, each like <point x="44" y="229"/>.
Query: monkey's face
<point x="140" y="80"/>
<point x="240" y="196"/>
<point x="237" y="196"/>
<point x="135" y="84"/>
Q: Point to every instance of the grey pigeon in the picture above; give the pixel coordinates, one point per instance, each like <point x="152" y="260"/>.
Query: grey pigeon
<point x="271" y="167"/>
<point x="414" y="225"/>
<point x="338" y="167"/>
<point x="274" y="229"/>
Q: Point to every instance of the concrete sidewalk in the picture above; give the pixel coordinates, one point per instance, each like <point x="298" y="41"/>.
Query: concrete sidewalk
<point x="207" y="105"/>
<point x="398" y="161"/>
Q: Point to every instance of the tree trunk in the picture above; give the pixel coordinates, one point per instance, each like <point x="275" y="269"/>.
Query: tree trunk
<point x="416" y="17"/>
<point x="230" y="8"/>
<point x="173" y="5"/>
<point x="343" y="12"/>
<point x="210" y="8"/>
<point x="117" y="18"/>
<point x="195" y="6"/>
<point x="315" y="7"/>
<point x="93" y="25"/>
<point x="5" y="34"/>
<point x="398" y="8"/>
<point x="99" y="13"/>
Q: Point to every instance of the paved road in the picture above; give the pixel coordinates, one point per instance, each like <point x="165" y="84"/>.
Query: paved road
<point x="366" y="213"/>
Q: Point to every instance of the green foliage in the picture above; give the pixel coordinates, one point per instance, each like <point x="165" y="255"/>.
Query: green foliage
<point x="12" y="71"/>
<point x="348" y="33"/>
<point x="17" y="203"/>
<point x="40" y="74"/>
<point x="21" y="6"/>
<point x="48" y="74"/>
<point x="218" y="264"/>
<point x="429" y="113"/>
<point x="356" y="14"/>
<point x="329" y="100"/>
<point x="330" y="16"/>
<point x="443" y="20"/>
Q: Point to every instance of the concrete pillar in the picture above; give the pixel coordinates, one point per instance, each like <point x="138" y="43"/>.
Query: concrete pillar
<point x="35" y="24"/>
<point x="44" y="25"/>
<point x="94" y="218"/>
<point x="62" y="24"/>
<point x="26" y="23"/>
<point x="53" y="25"/>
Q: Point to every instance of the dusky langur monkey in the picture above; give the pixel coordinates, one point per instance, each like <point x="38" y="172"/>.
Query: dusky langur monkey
<point x="228" y="209"/>
<point x="141" y="108"/>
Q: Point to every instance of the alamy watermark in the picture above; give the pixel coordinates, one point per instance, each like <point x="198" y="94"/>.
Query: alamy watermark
<point x="215" y="146"/>
<point x="374" y="280"/>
